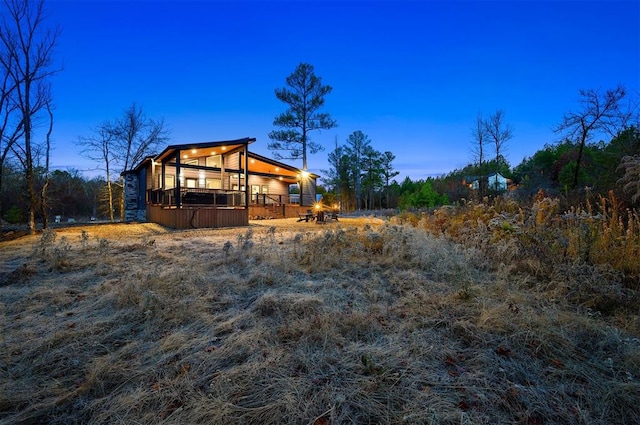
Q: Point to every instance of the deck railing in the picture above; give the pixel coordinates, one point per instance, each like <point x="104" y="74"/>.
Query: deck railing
<point x="196" y="196"/>
<point x="264" y="199"/>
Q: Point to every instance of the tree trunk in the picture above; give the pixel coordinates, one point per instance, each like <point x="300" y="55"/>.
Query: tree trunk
<point x="110" y="189"/>
<point x="43" y="194"/>
<point x="32" y="199"/>
<point x="583" y="140"/>
<point x="31" y="191"/>
<point x="122" y="202"/>
<point x="43" y="203"/>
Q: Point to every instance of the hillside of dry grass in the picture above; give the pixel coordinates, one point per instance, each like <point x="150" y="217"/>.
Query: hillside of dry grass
<point x="362" y="321"/>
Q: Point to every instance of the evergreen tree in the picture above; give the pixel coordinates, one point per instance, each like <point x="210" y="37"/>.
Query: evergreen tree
<point x="304" y="95"/>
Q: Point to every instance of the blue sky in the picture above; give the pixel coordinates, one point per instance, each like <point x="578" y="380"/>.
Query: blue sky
<point x="412" y="75"/>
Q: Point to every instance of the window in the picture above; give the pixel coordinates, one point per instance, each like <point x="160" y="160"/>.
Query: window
<point x="214" y="161"/>
<point x="233" y="182"/>
<point x="169" y="181"/>
<point x="265" y="189"/>
<point x="190" y="162"/>
<point x="213" y="183"/>
<point x="255" y="189"/>
<point x="192" y="183"/>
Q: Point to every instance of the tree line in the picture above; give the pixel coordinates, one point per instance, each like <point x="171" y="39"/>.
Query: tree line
<point x="361" y="177"/>
<point x="598" y="154"/>
<point x="599" y="149"/>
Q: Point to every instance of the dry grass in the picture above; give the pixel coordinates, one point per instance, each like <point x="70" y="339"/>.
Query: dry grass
<point x="362" y="321"/>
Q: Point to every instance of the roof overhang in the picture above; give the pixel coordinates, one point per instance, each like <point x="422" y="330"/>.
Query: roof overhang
<point x="258" y="165"/>
<point x="267" y="167"/>
<point x="203" y="149"/>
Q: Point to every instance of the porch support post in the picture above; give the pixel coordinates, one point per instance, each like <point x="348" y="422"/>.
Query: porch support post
<point x="153" y="174"/>
<point x="163" y="173"/>
<point x="162" y="193"/>
<point x="246" y="175"/>
<point x="224" y="181"/>
<point x="178" y="179"/>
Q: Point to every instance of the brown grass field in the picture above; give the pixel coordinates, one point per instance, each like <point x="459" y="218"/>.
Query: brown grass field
<point x="402" y="320"/>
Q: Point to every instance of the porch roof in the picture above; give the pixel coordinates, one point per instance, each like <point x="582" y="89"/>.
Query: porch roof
<point x="258" y="164"/>
<point x="262" y="165"/>
<point x="205" y="148"/>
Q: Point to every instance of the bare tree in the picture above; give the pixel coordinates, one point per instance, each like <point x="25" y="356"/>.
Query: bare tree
<point x="599" y="113"/>
<point x="99" y="147"/>
<point x="135" y="136"/>
<point x="9" y="131"/>
<point x="479" y="137"/>
<point x="43" y="192"/>
<point x="499" y="133"/>
<point x="28" y="48"/>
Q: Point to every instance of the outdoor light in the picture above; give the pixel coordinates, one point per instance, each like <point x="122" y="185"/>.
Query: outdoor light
<point x="193" y="151"/>
<point x="304" y="174"/>
<point x="277" y="169"/>
<point x="317" y="206"/>
<point x="224" y="148"/>
<point x="185" y="156"/>
<point x="280" y="178"/>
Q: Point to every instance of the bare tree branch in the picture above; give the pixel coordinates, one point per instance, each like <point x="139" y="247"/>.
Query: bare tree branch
<point x="499" y="133"/>
<point x="98" y="147"/>
<point x="599" y="113"/>
<point x="121" y="144"/>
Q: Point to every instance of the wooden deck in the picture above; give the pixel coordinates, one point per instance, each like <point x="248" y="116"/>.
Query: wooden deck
<point x="195" y="217"/>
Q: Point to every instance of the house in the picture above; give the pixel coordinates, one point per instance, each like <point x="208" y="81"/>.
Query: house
<point x="495" y="181"/>
<point x="213" y="184"/>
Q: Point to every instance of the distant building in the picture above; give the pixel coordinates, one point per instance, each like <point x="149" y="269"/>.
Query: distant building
<point x="495" y="181"/>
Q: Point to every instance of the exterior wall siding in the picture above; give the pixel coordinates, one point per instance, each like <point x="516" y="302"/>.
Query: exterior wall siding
<point x="308" y="189"/>
<point x="232" y="161"/>
<point x="276" y="188"/>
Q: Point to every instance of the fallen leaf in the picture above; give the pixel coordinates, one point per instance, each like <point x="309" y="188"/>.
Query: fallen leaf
<point x="503" y="351"/>
<point x="450" y="361"/>
<point x="464" y="405"/>
<point x="556" y="363"/>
